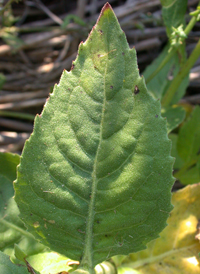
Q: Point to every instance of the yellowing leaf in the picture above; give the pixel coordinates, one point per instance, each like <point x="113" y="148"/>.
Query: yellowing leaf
<point x="176" y="251"/>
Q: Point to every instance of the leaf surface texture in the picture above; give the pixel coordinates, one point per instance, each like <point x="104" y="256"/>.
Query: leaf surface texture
<point x="95" y="176"/>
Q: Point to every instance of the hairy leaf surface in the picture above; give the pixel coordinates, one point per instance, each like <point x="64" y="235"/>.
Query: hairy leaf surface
<point x="95" y="176"/>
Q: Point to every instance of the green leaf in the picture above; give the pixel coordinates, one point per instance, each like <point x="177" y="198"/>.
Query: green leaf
<point x="52" y="262"/>
<point x="176" y="251"/>
<point x="175" y="115"/>
<point x="127" y="270"/>
<point x="8" y="165"/>
<point x="12" y="229"/>
<point x="8" y="215"/>
<point x="160" y="83"/>
<point x="173" y="13"/>
<point x="72" y="18"/>
<point x="188" y="144"/>
<point x="2" y="80"/>
<point x="19" y="253"/>
<point x="95" y="176"/>
<point x="12" y="40"/>
<point x="188" y="148"/>
<point x="49" y="262"/>
<point x="7" y="267"/>
<point x="178" y="161"/>
<point x="190" y="175"/>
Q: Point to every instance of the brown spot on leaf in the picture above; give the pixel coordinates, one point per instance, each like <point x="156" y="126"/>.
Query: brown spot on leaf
<point x="111" y="87"/>
<point x="80" y="231"/>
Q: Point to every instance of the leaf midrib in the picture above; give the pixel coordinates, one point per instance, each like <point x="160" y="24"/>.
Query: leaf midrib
<point x="88" y="250"/>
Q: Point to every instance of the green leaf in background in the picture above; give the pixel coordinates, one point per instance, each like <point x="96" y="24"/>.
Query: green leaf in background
<point x="189" y="136"/>
<point x="188" y="148"/>
<point x="173" y="13"/>
<point x="6" y="267"/>
<point x="49" y="262"/>
<point x="12" y="230"/>
<point x="175" y="115"/>
<point x="127" y="270"/>
<point x="160" y="83"/>
<point x="19" y="253"/>
<point x="8" y="215"/>
<point x="178" y="161"/>
<point x="54" y="263"/>
<point x="2" y="80"/>
<point x="8" y="165"/>
<point x="8" y="208"/>
<point x="72" y="18"/>
<point x="176" y="251"/>
<point x="95" y="176"/>
<point x="11" y="39"/>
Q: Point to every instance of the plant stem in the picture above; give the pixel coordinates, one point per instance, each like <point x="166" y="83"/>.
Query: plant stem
<point x="24" y="116"/>
<point x="173" y="50"/>
<point x="190" y="25"/>
<point x="22" y="231"/>
<point x="167" y="99"/>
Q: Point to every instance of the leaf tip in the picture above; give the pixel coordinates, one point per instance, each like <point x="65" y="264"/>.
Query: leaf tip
<point x="106" y="7"/>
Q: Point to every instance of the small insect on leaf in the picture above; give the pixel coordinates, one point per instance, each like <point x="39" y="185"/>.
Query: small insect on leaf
<point x="136" y="90"/>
